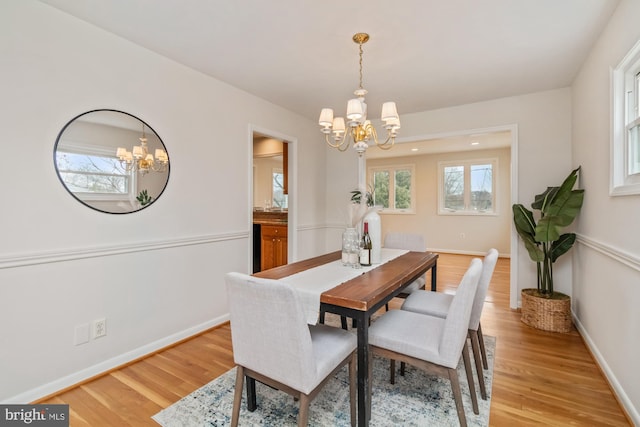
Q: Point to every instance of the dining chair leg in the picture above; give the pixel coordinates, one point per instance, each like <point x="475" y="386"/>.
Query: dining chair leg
<point x="472" y="387"/>
<point x="321" y="319"/>
<point x="237" y="396"/>
<point x="484" y="351"/>
<point x="475" y="349"/>
<point x="352" y="388"/>
<point x="303" y="414"/>
<point x="457" y="395"/>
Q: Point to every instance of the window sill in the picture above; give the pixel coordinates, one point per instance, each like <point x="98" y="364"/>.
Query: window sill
<point x="466" y="213"/>
<point x="625" y="190"/>
<point x="397" y="212"/>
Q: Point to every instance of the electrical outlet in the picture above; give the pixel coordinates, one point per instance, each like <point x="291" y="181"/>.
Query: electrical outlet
<point x="99" y="328"/>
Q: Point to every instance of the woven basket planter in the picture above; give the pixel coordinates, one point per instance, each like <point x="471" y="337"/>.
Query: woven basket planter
<point x="547" y="314"/>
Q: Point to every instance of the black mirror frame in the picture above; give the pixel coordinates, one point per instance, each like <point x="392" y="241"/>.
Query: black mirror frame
<point x="55" y="162"/>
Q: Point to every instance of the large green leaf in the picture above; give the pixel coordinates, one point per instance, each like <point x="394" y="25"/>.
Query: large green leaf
<point x="523" y="219"/>
<point x="566" y="206"/>
<point x="525" y="226"/>
<point x="542" y="200"/>
<point x="562" y="245"/>
<point x="560" y="214"/>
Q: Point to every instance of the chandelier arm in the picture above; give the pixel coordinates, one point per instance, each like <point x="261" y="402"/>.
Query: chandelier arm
<point x="338" y="145"/>
<point x="128" y="167"/>
<point x="387" y="144"/>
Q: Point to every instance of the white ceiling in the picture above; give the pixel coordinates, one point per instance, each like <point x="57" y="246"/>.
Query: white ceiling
<point x="423" y="54"/>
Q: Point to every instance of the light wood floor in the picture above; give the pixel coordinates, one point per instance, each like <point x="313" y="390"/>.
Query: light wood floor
<point x="540" y="378"/>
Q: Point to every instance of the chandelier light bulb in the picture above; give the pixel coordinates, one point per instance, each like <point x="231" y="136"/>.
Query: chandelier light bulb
<point x="326" y="117"/>
<point x="354" y="109"/>
<point x="389" y="111"/>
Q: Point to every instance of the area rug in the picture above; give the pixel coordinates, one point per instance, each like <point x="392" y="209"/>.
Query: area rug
<point x="417" y="399"/>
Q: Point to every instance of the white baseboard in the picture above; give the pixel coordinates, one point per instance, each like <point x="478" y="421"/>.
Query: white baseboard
<point x="622" y="397"/>
<point x="107" y="365"/>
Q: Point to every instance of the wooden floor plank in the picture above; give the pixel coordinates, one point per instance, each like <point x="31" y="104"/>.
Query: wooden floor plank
<point x="540" y="378"/>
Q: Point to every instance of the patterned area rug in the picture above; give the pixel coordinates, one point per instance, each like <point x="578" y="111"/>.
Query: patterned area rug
<point x="417" y="399"/>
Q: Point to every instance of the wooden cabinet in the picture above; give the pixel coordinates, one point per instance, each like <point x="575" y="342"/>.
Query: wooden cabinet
<point x="273" y="246"/>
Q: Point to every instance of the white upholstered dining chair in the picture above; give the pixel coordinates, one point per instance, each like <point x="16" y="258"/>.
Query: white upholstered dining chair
<point x="272" y="343"/>
<point x="411" y="242"/>
<point x="437" y="304"/>
<point x="431" y="343"/>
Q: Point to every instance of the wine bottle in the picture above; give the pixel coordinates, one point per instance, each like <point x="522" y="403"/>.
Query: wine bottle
<point x="365" y="247"/>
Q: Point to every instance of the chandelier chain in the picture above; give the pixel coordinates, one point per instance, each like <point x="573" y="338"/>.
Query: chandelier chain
<point x="360" y="44"/>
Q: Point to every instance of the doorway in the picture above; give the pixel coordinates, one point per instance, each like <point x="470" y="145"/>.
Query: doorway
<point x="270" y="200"/>
<point x="450" y="230"/>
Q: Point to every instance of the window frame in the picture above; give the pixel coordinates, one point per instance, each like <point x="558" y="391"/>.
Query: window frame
<point x="467" y="164"/>
<point x="278" y="171"/>
<point x="625" y="117"/>
<point x="392" y="169"/>
<point x="97" y="151"/>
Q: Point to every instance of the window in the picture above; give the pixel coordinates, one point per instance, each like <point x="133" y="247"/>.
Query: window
<point x="633" y="124"/>
<point x="393" y="188"/>
<point x="625" y="138"/>
<point x="467" y="187"/>
<point x="94" y="174"/>
<point x="279" y="198"/>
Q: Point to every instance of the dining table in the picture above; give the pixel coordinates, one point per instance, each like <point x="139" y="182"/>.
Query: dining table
<point x="359" y="298"/>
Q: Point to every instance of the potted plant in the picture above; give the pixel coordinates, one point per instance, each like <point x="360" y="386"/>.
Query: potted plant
<point x="544" y="308"/>
<point x="356" y="197"/>
<point x="144" y="198"/>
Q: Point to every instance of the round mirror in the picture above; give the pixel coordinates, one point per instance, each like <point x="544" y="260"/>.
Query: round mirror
<point x="111" y="161"/>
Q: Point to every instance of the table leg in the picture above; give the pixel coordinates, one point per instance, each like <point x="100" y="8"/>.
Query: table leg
<point x="364" y="396"/>
<point x="434" y="271"/>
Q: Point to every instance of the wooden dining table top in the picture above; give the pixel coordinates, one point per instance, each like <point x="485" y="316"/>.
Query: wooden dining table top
<point x="367" y="290"/>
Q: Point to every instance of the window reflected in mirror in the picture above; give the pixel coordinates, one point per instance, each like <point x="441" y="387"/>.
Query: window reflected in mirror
<point x="111" y="161"/>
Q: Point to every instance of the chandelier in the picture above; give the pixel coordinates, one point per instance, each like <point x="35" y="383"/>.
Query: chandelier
<point x="359" y="130"/>
<point x="141" y="160"/>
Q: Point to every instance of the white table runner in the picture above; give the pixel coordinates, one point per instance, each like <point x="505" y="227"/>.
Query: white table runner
<point x="313" y="282"/>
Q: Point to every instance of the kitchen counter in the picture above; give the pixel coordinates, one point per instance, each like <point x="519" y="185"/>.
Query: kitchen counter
<point x="270" y="217"/>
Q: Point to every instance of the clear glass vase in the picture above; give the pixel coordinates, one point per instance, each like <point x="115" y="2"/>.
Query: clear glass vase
<point x="350" y="248"/>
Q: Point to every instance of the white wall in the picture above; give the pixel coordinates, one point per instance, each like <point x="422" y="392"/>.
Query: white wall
<point x="606" y="288"/>
<point x="156" y="275"/>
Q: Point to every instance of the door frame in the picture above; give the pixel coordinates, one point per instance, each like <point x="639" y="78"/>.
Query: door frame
<point x="514" y="243"/>
<point x="292" y="173"/>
